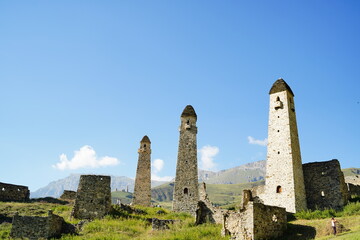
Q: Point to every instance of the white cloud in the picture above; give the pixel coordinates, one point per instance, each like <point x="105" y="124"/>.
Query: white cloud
<point x="257" y="142"/>
<point x="207" y="157"/>
<point x="85" y="157"/>
<point x="157" y="166"/>
<point x="164" y="179"/>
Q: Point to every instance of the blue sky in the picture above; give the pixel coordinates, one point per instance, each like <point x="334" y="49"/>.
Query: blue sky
<point x="96" y="76"/>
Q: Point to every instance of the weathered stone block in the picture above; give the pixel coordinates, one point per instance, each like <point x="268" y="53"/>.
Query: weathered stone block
<point x="37" y="227"/>
<point x="93" y="197"/>
<point x="68" y="195"/>
<point x="325" y="185"/>
<point x="13" y="193"/>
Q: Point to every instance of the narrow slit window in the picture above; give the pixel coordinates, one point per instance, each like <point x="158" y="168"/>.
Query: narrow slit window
<point x="278" y="189"/>
<point x="186" y="191"/>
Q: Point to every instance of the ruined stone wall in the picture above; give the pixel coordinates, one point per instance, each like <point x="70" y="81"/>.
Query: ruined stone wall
<point x="284" y="185"/>
<point x="353" y="189"/>
<point x="254" y="220"/>
<point x="206" y="212"/>
<point x="93" y="197"/>
<point x="13" y="193"/>
<point x="325" y="185"/>
<point x="68" y="195"/>
<point x="269" y="222"/>
<point x="37" y="227"/>
<point x="353" y="179"/>
<point x="142" y="190"/>
<point x="186" y="195"/>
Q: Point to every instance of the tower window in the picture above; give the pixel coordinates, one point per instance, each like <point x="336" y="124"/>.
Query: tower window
<point x="278" y="189"/>
<point x="188" y="122"/>
<point x="144" y="145"/>
<point x="278" y="131"/>
<point x="277" y="99"/>
<point x="278" y="152"/>
<point x="186" y="191"/>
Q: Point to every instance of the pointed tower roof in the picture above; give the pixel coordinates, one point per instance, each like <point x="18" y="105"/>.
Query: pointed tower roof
<point x="189" y="112"/>
<point x="279" y="86"/>
<point x="145" y="139"/>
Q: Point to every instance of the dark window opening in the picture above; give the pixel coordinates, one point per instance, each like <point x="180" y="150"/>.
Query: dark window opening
<point x="277" y="99"/>
<point x="278" y="116"/>
<point x="144" y="145"/>
<point x="278" y="130"/>
<point x="186" y="191"/>
<point x="278" y="152"/>
<point x="278" y="189"/>
<point x="188" y="122"/>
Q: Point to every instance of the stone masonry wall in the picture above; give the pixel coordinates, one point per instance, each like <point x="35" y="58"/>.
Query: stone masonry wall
<point x="186" y="195"/>
<point x="68" y="195"/>
<point x="13" y="193"/>
<point x="37" y="227"/>
<point x="269" y="222"/>
<point x="93" y="197"/>
<point x="284" y="185"/>
<point x="353" y="189"/>
<point x="353" y="179"/>
<point x="325" y="185"/>
<point x="206" y="212"/>
<point x="254" y="220"/>
<point x="142" y="190"/>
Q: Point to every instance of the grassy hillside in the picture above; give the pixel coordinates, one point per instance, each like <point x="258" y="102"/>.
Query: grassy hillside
<point x="123" y="225"/>
<point x="124" y="197"/>
<point x="351" y="171"/>
<point x="219" y="194"/>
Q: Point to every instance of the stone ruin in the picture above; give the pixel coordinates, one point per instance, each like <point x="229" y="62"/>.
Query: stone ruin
<point x="325" y="185"/>
<point x="13" y="193"/>
<point x="68" y="195"/>
<point x="206" y="212"/>
<point x="353" y="189"/>
<point x="47" y="227"/>
<point x="93" y="197"/>
<point x="253" y="221"/>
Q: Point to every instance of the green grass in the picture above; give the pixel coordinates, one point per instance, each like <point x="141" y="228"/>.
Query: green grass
<point x="353" y="208"/>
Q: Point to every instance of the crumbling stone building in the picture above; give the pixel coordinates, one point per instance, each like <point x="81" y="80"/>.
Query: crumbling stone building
<point x="29" y="227"/>
<point x="284" y="182"/>
<point x="13" y="193"/>
<point x="254" y="220"/>
<point x="68" y="195"/>
<point x="142" y="190"/>
<point x="186" y="193"/>
<point x="93" y="197"/>
<point x="325" y="185"/>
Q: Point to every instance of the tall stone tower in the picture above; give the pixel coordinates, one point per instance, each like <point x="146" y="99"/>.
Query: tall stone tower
<point x="186" y="193"/>
<point x="142" y="190"/>
<point x="284" y="182"/>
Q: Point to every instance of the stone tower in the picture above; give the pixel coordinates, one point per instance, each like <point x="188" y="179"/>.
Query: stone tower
<point x="284" y="182"/>
<point x="142" y="190"/>
<point x="186" y="193"/>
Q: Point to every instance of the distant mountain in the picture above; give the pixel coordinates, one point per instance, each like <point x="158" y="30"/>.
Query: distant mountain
<point x="56" y="188"/>
<point x="250" y="172"/>
<point x="219" y="194"/>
